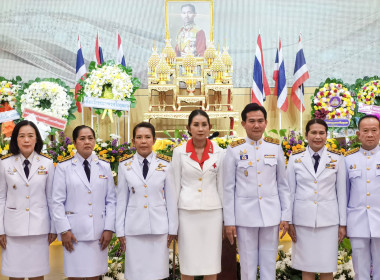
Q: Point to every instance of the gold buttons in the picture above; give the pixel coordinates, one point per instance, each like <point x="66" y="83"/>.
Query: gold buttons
<point x="368" y="194"/>
<point x="368" y="168"/>
<point x="315" y="192"/>
<point x="259" y="185"/>
<point x="27" y="185"/>
<point x="315" y="182"/>
<point x="145" y="186"/>
<point x="365" y="153"/>
<point x="27" y="197"/>
<point x="90" y="203"/>
<point x="27" y="209"/>
<point x="368" y="181"/>
<point x="199" y="190"/>
<point x="257" y="148"/>
<point x="89" y="192"/>
<point x="258" y="172"/>
<point x="199" y="179"/>
<point x="315" y="202"/>
<point x="252" y="143"/>
<point x="145" y="196"/>
<point x="368" y="157"/>
<point x="258" y="160"/>
<point x="90" y="215"/>
<point x="145" y="206"/>
<point x="260" y="197"/>
<point x="368" y="206"/>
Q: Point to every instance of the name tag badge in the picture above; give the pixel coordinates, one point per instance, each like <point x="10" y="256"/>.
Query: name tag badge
<point x="243" y="157"/>
<point x="103" y="177"/>
<point x="330" y="166"/>
<point x="270" y="156"/>
<point x="42" y="172"/>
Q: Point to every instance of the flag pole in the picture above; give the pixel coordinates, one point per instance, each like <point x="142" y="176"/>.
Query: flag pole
<point x="302" y="102"/>
<point x="279" y="109"/>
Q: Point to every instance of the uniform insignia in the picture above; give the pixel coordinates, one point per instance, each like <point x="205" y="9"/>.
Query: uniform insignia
<point x="243" y="157"/>
<point x="45" y="155"/>
<point x="272" y="140"/>
<point x="334" y="151"/>
<point x="214" y="165"/>
<point x="129" y="163"/>
<point x="42" y="172"/>
<point x="250" y="163"/>
<point x="298" y="151"/>
<point x="7" y="156"/>
<point x="133" y="190"/>
<point x="330" y="166"/>
<point x="103" y="177"/>
<point x="66" y="158"/>
<point x="353" y="166"/>
<point x="297" y="160"/>
<point x="246" y="173"/>
<point x="125" y="157"/>
<point x="237" y="143"/>
<point x="333" y="160"/>
<point x="350" y="152"/>
<point x="377" y="166"/>
<point x="160" y="167"/>
<point x="41" y="168"/>
<point x="14" y="187"/>
<point x="163" y="157"/>
<point x="270" y="156"/>
<point x="104" y="159"/>
<point x="14" y="170"/>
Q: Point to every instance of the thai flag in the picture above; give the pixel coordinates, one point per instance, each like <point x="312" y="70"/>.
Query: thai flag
<point x="260" y="87"/>
<point x="301" y="74"/>
<point x="80" y="73"/>
<point x="98" y="51"/>
<point x="120" y="55"/>
<point x="279" y="78"/>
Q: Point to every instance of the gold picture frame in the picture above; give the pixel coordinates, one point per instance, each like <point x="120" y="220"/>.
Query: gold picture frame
<point x="175" y="20"/>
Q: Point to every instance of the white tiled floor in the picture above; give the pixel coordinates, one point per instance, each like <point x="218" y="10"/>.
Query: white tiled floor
<point x="56" y="264"/>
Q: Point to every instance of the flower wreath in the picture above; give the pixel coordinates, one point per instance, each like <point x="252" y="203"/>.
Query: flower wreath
<point x="332" y="100"/>
<point x="8" y="92"/>
<point x="48" y="96"/>
<point x="368" y="90"/>
<point x="110" y="81"/>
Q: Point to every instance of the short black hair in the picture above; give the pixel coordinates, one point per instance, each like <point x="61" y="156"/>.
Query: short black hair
<point x="13" y="147"/>
<point x="253" y="107"/>
<point x="78" y="129"/>
<point x="315" y="121"/>
<point x="192" y="7"/>
<point x="368" y="117"/>
<point x="146" y="125"/>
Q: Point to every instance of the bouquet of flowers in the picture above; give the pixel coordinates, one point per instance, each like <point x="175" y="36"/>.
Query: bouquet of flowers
<point x="332" y="100"/>
<point x="223" y="142"/>
<point x="4" y="145"/>
<point x="368" y="90"/>
<point x="60" y="148"/>
<point x="116" y="259"/>
<point x="166" y="146"/>
<point x="110" y="81"/>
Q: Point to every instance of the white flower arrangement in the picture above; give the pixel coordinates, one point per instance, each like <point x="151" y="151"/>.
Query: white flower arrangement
<point x="8" y="91"/>
<point x="47" y="97"/>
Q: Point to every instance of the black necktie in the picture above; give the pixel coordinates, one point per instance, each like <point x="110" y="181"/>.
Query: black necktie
<point x="87" y="169"/>
<point x="145" y="168"/>
<point x="26" y="168"/>
<point x="316" y="158"/>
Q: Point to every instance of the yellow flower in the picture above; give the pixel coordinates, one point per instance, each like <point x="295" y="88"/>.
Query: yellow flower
<point x="287" y="146"/>
<point x="327" y="145"/>
<point x="72" y="154"/>
<point x="109" y="149"/>
<point x="334" y="146"/>
<point x="59" y="158"/>
<point x="6" y="147"/>
<point x="285" y="143"/>
<point x="64" y="154"/>
<point x="112" y="159"/>
<point x="1" y="150"/>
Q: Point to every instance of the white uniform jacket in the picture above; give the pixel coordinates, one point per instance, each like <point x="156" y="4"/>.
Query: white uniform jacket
<point x="85" y="208"/>
<point x="197" y="188"/>
<point x="363" y="193"/>
<point x="26" y="204"/>
<point x="146" y="206"/>
<point x="318" y="198"/>
<point x="256" y="192"/>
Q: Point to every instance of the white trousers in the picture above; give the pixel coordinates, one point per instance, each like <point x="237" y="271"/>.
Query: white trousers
<point x="364" y="252"/>
<point x="257" y="247"/>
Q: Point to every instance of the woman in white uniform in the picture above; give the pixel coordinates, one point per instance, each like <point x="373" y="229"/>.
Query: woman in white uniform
<point x="317" y="179"/>
<point x="197" y="171"/>
<point x="26" y="229"/>
<point x="84" y="208"/>
<point x="147" y="215"/>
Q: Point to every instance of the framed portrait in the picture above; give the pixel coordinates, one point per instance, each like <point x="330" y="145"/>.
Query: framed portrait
<point x="189" y="24"/>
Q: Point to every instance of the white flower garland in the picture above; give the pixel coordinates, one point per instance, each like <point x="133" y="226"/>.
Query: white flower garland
<point x="112" y="75"/>
<point x="57" y="95"/>
<point x="8" y="93"/>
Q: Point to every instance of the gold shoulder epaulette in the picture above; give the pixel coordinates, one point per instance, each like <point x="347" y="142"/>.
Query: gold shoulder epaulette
<point x="104" y="159"/>
<point x="350" y="152"/>
<point x="298" y="151"/>
<point x="272" y="140"/>
<point x="126" y="157"/>
<point x="334" y="151"/>
<point x="7" y="156"/>
<point x="163" y="157"/>
<point x="66" y="158"/>
<point x="237" y="143"/>
<point x="45" y="155"/>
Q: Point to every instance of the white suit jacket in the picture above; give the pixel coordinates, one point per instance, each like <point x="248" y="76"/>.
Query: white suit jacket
<point x="198" y="189"/>
<point x="25" y="204"/>
<point x="146" y="206"/>
<point x="256" y="192"/>
<point x="86" y="208"/>
<point x="318" y="198"/>
<point x="363" y="193"/>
